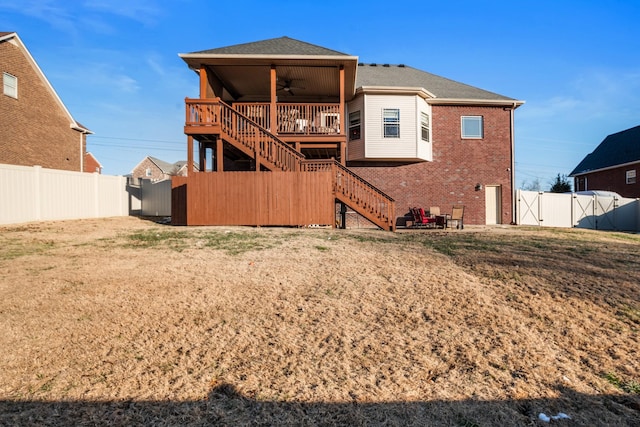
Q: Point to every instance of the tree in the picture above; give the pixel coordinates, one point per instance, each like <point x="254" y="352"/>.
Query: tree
<point x="531" y="186"/>
<point x="561" y="184"/>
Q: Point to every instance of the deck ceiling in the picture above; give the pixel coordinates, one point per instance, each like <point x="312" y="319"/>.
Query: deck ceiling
<point x="248" y="78"/>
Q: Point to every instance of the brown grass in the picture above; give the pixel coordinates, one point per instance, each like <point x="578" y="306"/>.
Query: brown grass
<point x="123" y="321"/>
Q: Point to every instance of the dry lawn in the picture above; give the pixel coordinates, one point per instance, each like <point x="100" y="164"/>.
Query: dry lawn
<point x="124" y="321"/>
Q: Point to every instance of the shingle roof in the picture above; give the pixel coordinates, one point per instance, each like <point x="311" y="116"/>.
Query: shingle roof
<point x="616" y="149"/>
<point x="165" y="167"/>
<point x="277" y="46"/>
<point x="405" y="76"/>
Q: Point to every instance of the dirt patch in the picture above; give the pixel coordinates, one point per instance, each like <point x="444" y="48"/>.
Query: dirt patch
<point x="120" y="321"/>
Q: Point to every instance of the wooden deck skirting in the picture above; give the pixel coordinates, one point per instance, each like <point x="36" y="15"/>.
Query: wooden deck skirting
<point x="200" y="192"/>
<point x="254" y="199"/>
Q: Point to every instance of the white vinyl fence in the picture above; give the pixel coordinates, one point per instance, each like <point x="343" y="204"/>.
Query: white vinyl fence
<point x="598" y="212"/>
<point x="39" y="194"/>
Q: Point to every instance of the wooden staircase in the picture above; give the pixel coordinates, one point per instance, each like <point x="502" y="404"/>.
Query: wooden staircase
<point x="273" y="154"/>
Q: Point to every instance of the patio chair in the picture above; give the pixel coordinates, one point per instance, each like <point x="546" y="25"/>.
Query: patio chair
<point x="434" y="212"/>
<point x="457" y="216"/>
<point x="421" y="219"/>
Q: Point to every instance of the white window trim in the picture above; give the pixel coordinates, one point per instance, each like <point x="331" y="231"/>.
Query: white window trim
<point x="425" y="125"/>
<point x="10" y="89"/>
<point x="631" y="176"/>
<point x="394" y="123"/>
<point x="462" y="133"/>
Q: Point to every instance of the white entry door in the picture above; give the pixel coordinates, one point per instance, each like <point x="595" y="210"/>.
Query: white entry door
<point x="493" y="204"/>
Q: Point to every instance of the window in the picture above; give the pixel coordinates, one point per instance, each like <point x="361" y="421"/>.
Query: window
<point x="147" y="172"/>
<point x="631" y="176"/>
<point x="354" y="125"/>
<point x="10" y="84"/>
<point x="424" y="124"/>
<point x="391" y="122"/>
<point x="472" y="127"/>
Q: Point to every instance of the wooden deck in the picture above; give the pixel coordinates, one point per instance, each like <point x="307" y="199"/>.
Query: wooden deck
<point x="293" y="191"/>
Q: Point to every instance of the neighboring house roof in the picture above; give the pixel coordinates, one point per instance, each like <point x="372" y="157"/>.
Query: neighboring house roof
<point x="14" y="38"/>
<point x="371" y="76"/>
<point x="277" y="46"/>
<point x="165" y="167"/>
<point x="615" y="150"/>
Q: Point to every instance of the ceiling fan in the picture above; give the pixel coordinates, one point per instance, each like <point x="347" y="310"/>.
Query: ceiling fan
<point x="287" y="86"/>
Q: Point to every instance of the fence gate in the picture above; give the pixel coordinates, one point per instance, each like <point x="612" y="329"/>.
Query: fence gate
<point x="598" y="212"/>
<point x="529" y="207"/>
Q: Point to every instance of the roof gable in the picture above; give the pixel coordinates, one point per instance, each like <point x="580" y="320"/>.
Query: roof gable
<point x="276" y="46"/>
<point x="15" y="39"/>
<point x="616" y="149"/>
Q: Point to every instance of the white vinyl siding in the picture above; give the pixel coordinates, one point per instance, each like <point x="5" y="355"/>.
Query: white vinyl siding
<point x="424" y="150"/>
<point x="379" y="147"/>
<point x="373" y="145"/>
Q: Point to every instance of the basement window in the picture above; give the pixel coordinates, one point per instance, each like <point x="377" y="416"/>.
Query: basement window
<point x="631" y="176"/>
<point x="391" y="122"/>
<point x="10" y="84"/>
<point x="472" y="127"/>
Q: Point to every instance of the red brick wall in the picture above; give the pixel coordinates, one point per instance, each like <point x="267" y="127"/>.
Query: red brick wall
<point x="458" y="165"/>
<point x="140" y="171"/>
<point x="91" y="164"/>
<point x="34" y="128"/>
<point x="612" y="180"/>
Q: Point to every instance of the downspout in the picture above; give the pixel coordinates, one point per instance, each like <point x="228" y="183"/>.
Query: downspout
<point x="513" y="168"/>
<point x="82" y="151"/>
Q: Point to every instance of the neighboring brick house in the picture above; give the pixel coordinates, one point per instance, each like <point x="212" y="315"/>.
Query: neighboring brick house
<point x="91" y="164"/>
<point x="415" y="138"/>
<point x="613" y="166"/>
<point x="157" y="170"/>
<point x="36" y="128"/>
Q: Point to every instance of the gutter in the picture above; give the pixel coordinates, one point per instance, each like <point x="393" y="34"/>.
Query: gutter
<point x="469" y="101"/>
<point x="586" y="172"/>
<point x="83" y="132"/>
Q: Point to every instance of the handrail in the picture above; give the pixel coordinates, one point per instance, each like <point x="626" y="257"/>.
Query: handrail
<point x="244" y="130"/>
<point x="356" y="191"/>
<point x="348" y="187"/>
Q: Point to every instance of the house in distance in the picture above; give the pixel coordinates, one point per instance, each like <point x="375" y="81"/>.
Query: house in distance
<point x="321" y="130"/>
<point x="36" y="128"/>
<point x="612" y="166"/>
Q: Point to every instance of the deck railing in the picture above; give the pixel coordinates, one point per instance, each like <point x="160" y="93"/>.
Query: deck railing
<point x="292" y="118"/>
<point x="348" y="187"/>
<point x="245" y="131"/>
<point x="259" y="112"/>
<point x="356" y="192"/>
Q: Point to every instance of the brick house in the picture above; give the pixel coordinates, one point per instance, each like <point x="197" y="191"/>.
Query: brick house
<point x="91" y="164"/>
<point x="388" y="137"/>
<point x="612" y="166"/>
<point x="158" y="170"/>
<point x="36" y="128"/>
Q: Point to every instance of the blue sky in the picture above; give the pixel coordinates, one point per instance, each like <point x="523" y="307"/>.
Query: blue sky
<point x="115" y="63"/>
